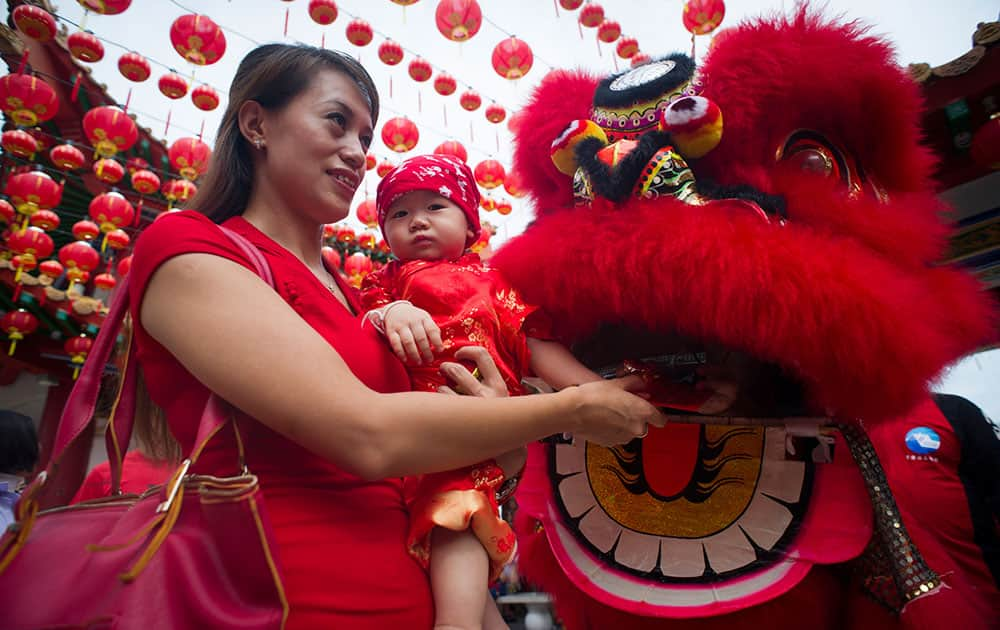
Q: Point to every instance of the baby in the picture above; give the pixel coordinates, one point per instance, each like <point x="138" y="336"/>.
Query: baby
<point x="434" y="300"/>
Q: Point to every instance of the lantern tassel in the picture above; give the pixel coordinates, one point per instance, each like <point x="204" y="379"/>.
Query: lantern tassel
<point x="390" y="86"/>
<point x="83" y="21"/>
<point x="555" y="6"/>
<point x="498" y="139"/>
<point x="24" y="62"/>
<point x="579" y="27"/>
<point x="693" y="58"/>
<point x="322" y="40"/>
<point x="286" y="22"/>
<point x="128" y="99"/>
<point x="138" y="214"/>
<point x="76" y="88"/>
<point x="18" y="288"/>
<point x="104" y="242"/>
<point x="472" y="137"/>
<point x="615" y="59"/>
<point x="13" y="345"/>
<point x="166" y="127"/>
<point x="201" y="131"/>
<point x="76" y="372"/>
<point x="420" y="102"/>
<point x="597" y="41"/>
<point x="444" y="114"/>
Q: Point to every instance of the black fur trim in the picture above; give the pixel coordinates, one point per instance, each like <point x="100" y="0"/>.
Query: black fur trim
<point x="682" y="72"/>
<point x="773" y="205"/>
<point x="616" y="184"/>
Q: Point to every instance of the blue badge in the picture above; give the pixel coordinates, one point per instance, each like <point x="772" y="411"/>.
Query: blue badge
<point x="922" y="440"/>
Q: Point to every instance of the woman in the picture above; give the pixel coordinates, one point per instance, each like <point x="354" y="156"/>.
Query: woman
<point x="324" y="417"/>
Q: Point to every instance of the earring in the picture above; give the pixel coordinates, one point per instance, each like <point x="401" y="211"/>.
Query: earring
<point x="258" y="143"/>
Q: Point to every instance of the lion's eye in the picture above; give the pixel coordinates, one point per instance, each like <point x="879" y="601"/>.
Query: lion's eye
<point x="812" y="160"/>
<point x="812" y="153"/>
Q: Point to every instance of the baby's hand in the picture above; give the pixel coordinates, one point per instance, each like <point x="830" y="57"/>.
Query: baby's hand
<point x="412" y="333"/>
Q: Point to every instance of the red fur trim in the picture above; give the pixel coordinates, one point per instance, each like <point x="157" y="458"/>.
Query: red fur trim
<point x="865" y="333"/>
<point x="562" y="97"/>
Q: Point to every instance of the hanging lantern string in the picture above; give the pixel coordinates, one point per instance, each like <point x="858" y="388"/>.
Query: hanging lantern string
<point x="510" y="34"/>
<point x="76" y="85"/>
<point x="221" y="25"/>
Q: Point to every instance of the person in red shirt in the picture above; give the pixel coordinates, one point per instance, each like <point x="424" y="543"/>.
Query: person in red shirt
<point x="434" y="300"/>
<point x="324" y="408"/>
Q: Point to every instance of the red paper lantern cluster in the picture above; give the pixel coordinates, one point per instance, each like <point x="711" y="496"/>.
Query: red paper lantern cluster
<point x="495" y="113"/>
<point x="357" y="266"/>
<point x="384" y="168"/>
<point x="489" y="174"/>
<point x="420" y="70"/>
<point x="458" y="20"/>
<point x="86" y="230"/>
<point x="627" y="47"/>
<point x="173" y="85"/>
<point x="470" y="100"/>
<point x="145" y="182"/>
<point x="701" y="17"/>
<point x="108" y="171"/>
<point x="79" y="347"/>
<point x="400" y="134"/>
<point x="79" y="259"/>
<point x="323" y="12"/>
<point x="85" y="47"/>
<point x="359" y="32"/>
<point x="512" y="58"/>
<point x="198" y="39"/>
<point x="33" y="191"/>
<point x="111" y="210"/>
<point x="591" y="15"/>
<point x="134" y="67"/>
<point x="367" y="213"/>
<point x="20" y="143"/>
<point x="110" y="130"/>
<point x="609" y="31"/>
<point x="445" y="84"/>
<point x="178" y="191"/>
<point x="370" y="161"/>
<point x="390" y="53"/>
<point x="452" y="147"/>
<point x="189" y="157"/>
<point x="205" y="98"/>
<point x="27" y="100"/>
<point x="17" y="324"/>
<point x="513" y="184"/>
<point x="66" y="157"/>
<point x="35" y="22"/>
<point x="29" y="245"/>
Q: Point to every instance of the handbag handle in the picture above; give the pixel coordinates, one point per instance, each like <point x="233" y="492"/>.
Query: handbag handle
<point x="79" y="410"/>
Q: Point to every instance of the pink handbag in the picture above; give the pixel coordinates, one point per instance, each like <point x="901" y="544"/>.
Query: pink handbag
<point x="196" y="552"/>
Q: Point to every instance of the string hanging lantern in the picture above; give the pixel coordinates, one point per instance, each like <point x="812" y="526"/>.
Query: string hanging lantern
<point x="110" y="210"/>
<point x="85" y="230"/>
<point x="205" y="98"/>
<point x="78" y="348"/>
<point x="458" y="20"/>
<point x="323" y="12"/>
<point x="109" y="130"/>
<point x="178" y="191"/>
<point x="35" y="22"/>
<point x="390" y="53"/>
<point x="638" y="59"/>
<point x="30" y="246"/>
<point x="83" y="45"/>
<point x="134" y="67"/>
<point x="66" y="157"/>
<point x="384" y="168"/>
<point x="144" y="182"/>
<point x="445" y="84"/>
<point x="701" y="17"/>
<point x="495" y="113"/>
<point x="189" y="157"/>
<point x="105" y="7"/>
<point x="359" y="32"/>
<point x="489" y="174"/>
<point x="400" y="134"/>
<point x="198" y="39"/>
<point x="504" y="207"/>
<point x="470" y="100"/>
<point x="79" y="258"/>
<point x="367" y="213"/>
<point x="454" y="148"/>
<point x="20" y="143"/>
<point x="108" y="170"/>
<point x="17" y="324"/>
<point x="27" y="100"/>
<point x="32" y="191"/>
<point x="627" y="47"/>
<point x="173" y="85"/>
<point x="570" y="5"/>
<point x="370" y="161"/>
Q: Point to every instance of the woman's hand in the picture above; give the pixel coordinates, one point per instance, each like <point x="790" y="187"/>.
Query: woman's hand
<point x="489" y="384"/>
<point x="412" y="334"/>
<point x="607" y="413"/>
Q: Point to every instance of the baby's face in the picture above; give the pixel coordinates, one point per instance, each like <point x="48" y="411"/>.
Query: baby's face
<point x="423" y="225"/>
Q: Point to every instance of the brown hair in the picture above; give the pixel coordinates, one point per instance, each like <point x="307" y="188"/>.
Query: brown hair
<point x="271" y="75"/>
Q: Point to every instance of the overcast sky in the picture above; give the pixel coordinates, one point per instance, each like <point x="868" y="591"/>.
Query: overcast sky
<point x="929" y="31"/>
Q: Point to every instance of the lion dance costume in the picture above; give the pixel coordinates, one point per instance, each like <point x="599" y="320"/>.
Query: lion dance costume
<point x="775" y="203"/>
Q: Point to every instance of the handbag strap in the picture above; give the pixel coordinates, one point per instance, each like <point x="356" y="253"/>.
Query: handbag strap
<point x="79" y="410"/>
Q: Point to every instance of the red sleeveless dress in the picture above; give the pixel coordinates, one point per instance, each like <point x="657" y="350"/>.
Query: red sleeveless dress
<point x="341" y="539"/>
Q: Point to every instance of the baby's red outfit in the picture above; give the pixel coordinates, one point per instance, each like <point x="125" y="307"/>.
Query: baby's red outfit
<point x="473" y="306"/>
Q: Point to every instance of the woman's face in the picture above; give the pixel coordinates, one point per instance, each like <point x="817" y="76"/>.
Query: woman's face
<point x="314" y="158"/>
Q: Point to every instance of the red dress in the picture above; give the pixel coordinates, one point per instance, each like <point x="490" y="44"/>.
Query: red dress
<point x="473" y="306"/>
<point x="341" y="539"/>
<point x="138" y="473"/>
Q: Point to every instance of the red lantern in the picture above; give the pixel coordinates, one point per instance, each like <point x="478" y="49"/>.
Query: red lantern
<point x="470" y="100"/>
<point x="639" y="58"/>
<point x="404" y="3"/>
<point x="504" y="207"/>
<point x="33" y="191"/>
<point x="390" y="52"/>
<point x="570" y="5"/>
<point x="85" y="230"/>
<point x="27" y="100"/>
<point x="345" y="234"/>
<point x="323" y="12"/>
<point x="50" y="268"/>
<point x="487" y="203"/>
<point x="173" y="85"/>
<point x="458" y="20"/>
<point x="35" y="22"/>
<point x="400" y="134"/>
<point x="205" y="98"/>
<point x="118" y="239"/>
<point x="384" y="168"/>
<point x="452" y="147"/>
<point x="367" y="213"/>
<point x="78" y="348"/>
<point x="627" y="47"/>
<point x="134" y="164"/>
<point x="124" y="266"/>
<point x="445" y="84"/>
<point x="79" y="258"/>
<point x="331" y="259"/>
<point x="357" y="266"/>
<point x="609" y="31"/>
<point x="7" y="212"/>
<point x="67" y="157"/>
<point x="359" y="32"/>
<point x="145" y="182"/>
<point x="419" y="70"/>
<point x="105" y="7"/>
<point x="134" y="67"/>
<point x="591" y="15"/>
<point x="701" y="17"/>
<point x="20" y="143"/>
<point x="513" y="184"/>
<point x="30" y="245"/>
<point x="45" y="220"/>
<point x="489" y="173"/>
<point x="108" y="171"/>
<point x="110" y="130"/>
<point x="105" y="281"/>
<point x="512" y="58"/>
<point x="198" y="39"/>
<point x="189" y="156"/>
<point x="111" y="210"/>
<point x="17" y="324"/>
<point x="366" y="240"/>
<point x="178" y="191"/>
<point x="370" y="161"/>
<point x="85" y="47"/>
<point x="495" y="113"/>
<point x="985" y="148"/>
